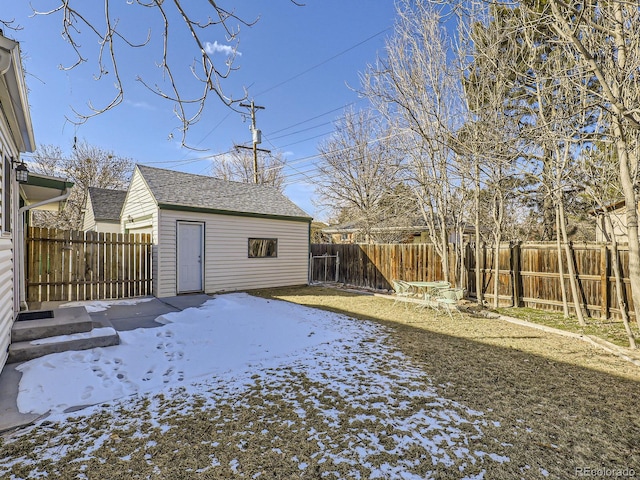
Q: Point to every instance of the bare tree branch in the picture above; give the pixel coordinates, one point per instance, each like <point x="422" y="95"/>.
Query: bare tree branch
<point x="172" y="19"/>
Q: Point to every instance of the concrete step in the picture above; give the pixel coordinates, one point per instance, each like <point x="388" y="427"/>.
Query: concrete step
<point x="38" y="333"/>
<point x="50" y="323"/>
<point x="28" y="350"/>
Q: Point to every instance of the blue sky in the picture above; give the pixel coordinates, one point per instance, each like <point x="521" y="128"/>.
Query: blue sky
<point x="297" y="62"/>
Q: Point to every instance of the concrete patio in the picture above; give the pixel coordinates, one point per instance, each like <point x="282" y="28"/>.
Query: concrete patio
<point x="120" y="317"/>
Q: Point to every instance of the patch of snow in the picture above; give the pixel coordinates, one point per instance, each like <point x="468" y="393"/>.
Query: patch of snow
<point x="236" y="342"/>
<point x="93" y="306"/>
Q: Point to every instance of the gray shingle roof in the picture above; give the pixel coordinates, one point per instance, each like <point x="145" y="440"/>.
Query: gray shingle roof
<point x="179" y="189"/>
<point x="106" y="203"/>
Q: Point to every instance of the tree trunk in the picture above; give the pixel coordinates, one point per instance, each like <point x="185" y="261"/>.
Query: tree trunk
<point x="496" y="269"/>
<point x="572" y="273"/>
<point x="478" y="252"/>
<point x="631" y="210"/>
<point x="615" y="262"/>
<point x="563" y="285"/>
<point x="460" y="278"/>
<point x="444" y="247"/>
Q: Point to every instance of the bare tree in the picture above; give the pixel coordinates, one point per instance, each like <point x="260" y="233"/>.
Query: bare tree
<point x="584" y="59"/>
<point x="418" y="90"/>
<point x="163" y="26"/>
<point x="238" y="166"/>
<point x="602" y="40"/>
<point x="359" y="168"/>
<point x="488" y="139"/>
<point x="86" y="166"/>
<point x="597" y="168"/>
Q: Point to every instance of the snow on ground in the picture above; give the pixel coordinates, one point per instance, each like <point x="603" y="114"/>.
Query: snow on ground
<point x="93" y="306"/>
<point x="332" y="383"/>
<point x="227" y="333"/>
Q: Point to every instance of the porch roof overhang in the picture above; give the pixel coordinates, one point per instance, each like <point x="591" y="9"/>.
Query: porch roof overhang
<point x="41" y="188"/>
<point x="15" y="106"/>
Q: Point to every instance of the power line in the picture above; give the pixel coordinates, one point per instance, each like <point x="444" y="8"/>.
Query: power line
<point x="323" y="62"/>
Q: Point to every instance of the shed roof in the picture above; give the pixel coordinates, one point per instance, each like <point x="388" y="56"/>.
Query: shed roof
<point x="107" y="203"/>
<point x="188" y="191"/>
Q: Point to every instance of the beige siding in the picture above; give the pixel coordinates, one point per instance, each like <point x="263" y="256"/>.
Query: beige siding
<point x="619" y="221"/>
<point x="109" y="227"/>
<point x="6" y="297"/>
<point x="227" y="266"/>
<point x="140" y="204"/>
<point x="7" y="289"/>
<point x="88" y="220"/>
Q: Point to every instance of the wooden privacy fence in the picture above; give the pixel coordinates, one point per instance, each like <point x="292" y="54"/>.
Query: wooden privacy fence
<point x="64" y="265"/>
<point x="374" y="266"/>
<point x="528" y="275"/>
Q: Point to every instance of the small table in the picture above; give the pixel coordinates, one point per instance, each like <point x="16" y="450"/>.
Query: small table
<point x="427" y="287"/>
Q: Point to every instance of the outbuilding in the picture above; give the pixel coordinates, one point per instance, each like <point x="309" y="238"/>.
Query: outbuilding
<point x="211" y="235"/>
<point x="102" y="208"/>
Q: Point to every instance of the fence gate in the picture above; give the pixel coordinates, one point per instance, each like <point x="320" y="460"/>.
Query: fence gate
<point x="323" y="268"/>
<point x="64" y="265"/>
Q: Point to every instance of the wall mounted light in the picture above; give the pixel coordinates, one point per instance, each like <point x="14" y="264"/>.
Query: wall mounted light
<point x="22" y="172"/>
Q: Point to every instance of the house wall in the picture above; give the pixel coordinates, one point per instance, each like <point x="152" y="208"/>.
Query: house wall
<point x="8" y="305"/>
<point x="109" y="227"/>
<point x="619" y="221"/>
<point x="227" y="265"/>
<point x="140" y="215"/>
<point x="88" y="219"/>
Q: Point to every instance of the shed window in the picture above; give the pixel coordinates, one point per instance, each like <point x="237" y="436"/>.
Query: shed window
<point x="263" y="247"/>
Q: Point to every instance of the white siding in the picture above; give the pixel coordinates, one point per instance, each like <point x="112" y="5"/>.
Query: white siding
<point x="88" y="220"/>
<point x="6" y="297"/>
<point x="227" y="266"/>
<point x="140" y="204"/>
<point x="619" y="221"/>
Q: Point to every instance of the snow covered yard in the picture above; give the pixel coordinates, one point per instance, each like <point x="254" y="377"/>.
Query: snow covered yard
<point x="245" y="387"/>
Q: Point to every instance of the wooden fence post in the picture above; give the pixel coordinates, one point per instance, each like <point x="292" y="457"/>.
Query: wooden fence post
<point x="467" y="266"/>
<point x="516" y="276"/>
<point x="604" y="282"/>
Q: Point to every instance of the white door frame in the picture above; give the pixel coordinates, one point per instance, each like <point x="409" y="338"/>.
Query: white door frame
<point x="201" y="259"/>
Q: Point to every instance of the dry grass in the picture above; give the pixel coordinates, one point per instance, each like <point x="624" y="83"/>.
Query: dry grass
<point x="551" y="404"/>
<point x="611" y="330"/>
<point x="566" y="403"/>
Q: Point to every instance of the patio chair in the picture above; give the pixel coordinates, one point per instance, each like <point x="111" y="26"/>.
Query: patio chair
<point x="448" y="298"/>
<point x="402" y="291"/>
<point x="429" y="300"/>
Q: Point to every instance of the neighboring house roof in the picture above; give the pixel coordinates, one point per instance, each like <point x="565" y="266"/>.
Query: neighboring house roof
<point x="186" y="191"/>
<point x="107" y="203"/>
<point x="608" y="208"/>
<point x="353" y="227"/>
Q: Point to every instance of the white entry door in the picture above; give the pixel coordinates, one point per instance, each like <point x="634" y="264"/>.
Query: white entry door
<point x="190" y="257"/>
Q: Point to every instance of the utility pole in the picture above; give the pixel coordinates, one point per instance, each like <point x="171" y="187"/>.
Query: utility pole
<point x="256" y="137"/>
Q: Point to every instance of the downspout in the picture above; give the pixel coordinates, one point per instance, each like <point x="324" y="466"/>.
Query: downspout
<point x="21" y="221"/>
